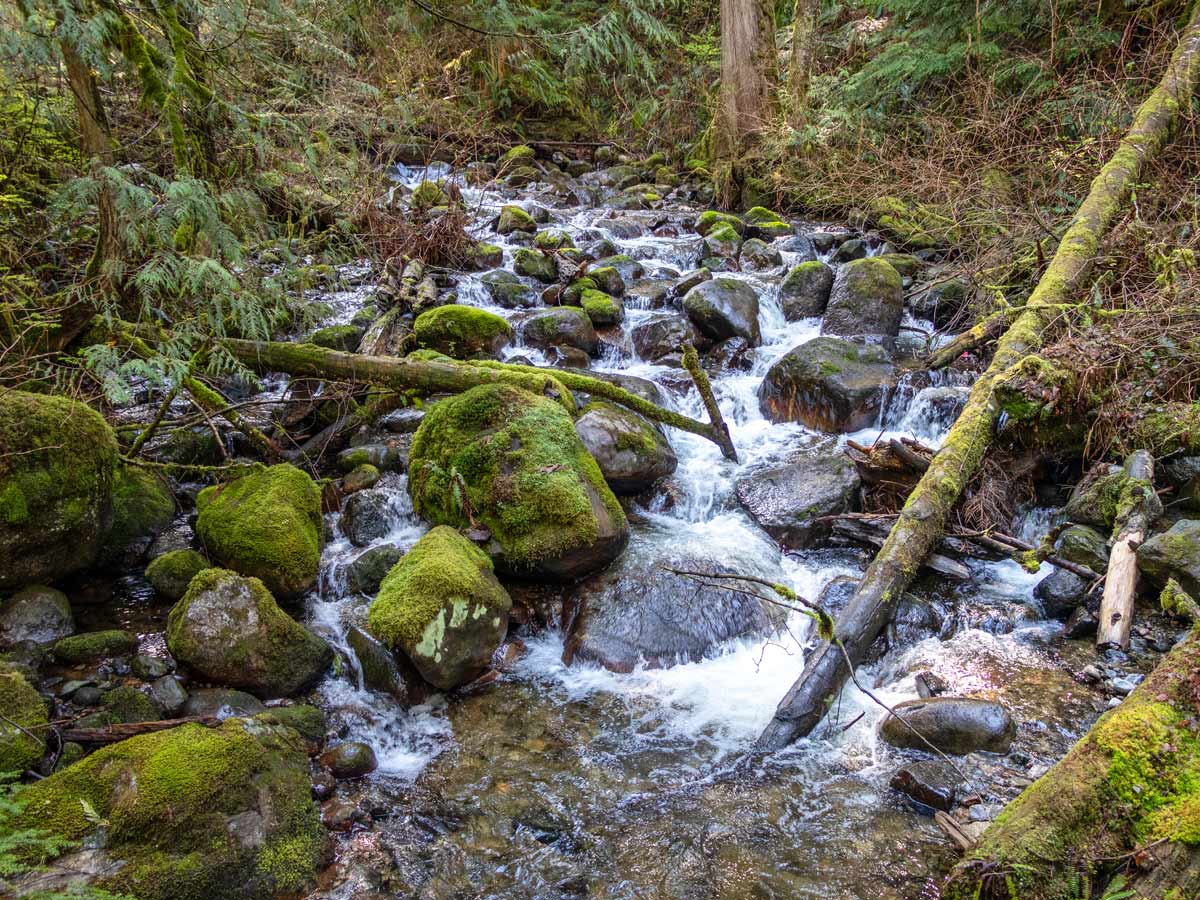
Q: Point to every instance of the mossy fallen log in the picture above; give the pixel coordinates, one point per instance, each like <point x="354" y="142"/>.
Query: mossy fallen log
<point x="1130" y="787"/>
<point x="923" y="518"/>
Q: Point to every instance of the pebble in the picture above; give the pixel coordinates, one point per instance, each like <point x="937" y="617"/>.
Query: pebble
<point x="1123" y="685"/>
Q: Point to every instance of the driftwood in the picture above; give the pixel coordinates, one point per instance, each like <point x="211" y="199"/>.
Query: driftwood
<point x="865" y="531"/>
<point x="110" y="734"/>
<point x="1120" y="585"/>
<point x="923" y="518"/>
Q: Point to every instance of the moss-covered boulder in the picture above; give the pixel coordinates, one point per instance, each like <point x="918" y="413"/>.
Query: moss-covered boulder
<point x="722" y="241"/>
<point x="442" y="606"/>
<point x="172" y="572"/>
<point x="602" y="309"/>
<point x="711" y="219"/>
<point x="22" y="713"/>
<point x="267" y="524"/>
<point x="191" y="813"/>
<point x="513" y="218"/>
<point x="866" y="299"/>
<point x="805" y="290"/>
<point x="607" y="279"/>
<point x="128" y="704"/>
<point x="229" y="630"/>
<point x="765" y="224"/>
<point x="828" y="384"/>
<point x="142" y="506"/>
<point x="1174" y="554"/>
<point x="723" y="308"/>
<point x="535" y="264"/>
<point x="553" y="239"/>
<point x="510" y="462"/>
<point x="1094" y="499"/>
<point x="338" y="337"/>
<point x="93" y="645"/>
<point x="560" y="326"/>
<point x="631" y="451"/>
<point x="427" y="195"/>
<point x="462" y="332"/>
<point x="56" y="475"/>
<point x="509" y="291"/>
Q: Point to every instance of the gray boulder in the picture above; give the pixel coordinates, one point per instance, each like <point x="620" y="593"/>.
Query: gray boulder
<point x="957" y="725"/>
<point x="658" y="340"/>
<point x="805" y="290"/>
<point x="866" y="299"/>
<point x="632" y="451"/>
<point x="37" y="613"/>
<point x="758" y="254"/>
<point x="562" y="326"/>
<point x="723" y="308"/>
<point x="828" y="384"/>
<point x="367" y="570"/>
<point x="509" y="291"/>
<point x="1174" y="553"/>
<point x="367" y="516"/>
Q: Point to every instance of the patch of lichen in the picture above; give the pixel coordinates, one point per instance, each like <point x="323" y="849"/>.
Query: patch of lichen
<point x="461" y="331"/>
<point x="142" y="504"/>
<point x="23" y="714"/>
<point x="442" y="568"/>
<point x="268" y="525"/>
<point x="509" y="460"/>
<point x="166" y="798"/>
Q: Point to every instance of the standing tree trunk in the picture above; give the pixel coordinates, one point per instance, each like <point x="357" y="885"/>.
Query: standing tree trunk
<point x="921" y="522"/>
<point x="749" y="78"/>
<point x="804" y="37"/>
<point x="1140" y="507"/>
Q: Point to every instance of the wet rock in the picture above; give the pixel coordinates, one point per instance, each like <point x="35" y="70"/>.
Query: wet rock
<point x="148" y="668"/>
<point x="914" y="620"/>
<point x="509" y="291"/>
<point x="722" y="242"/>
<point x="384" y="672"/>
<point x="443" y="608"/>
<point x="786" y="498"/>
<point x="931" y="783"/>
<point x="341" y="815"/>
<point x="352" y="759"/>
<point x="535" y="264"/>
<point x="168" y="695"/>
<point x="805" y="290"/>
<point x="1174" y="553"/>
<point x="632" y="452"/>
<point x="639" y="611"/>
<point x="1080" y="624"/>
<point x="757" y="255"/>
<point x="142" y="506"/>
<point x="267" y="525"/>
<point x="689" y="280"/>
<point x="94" y="645"/>
<point x="513" y="218"/>
<point x="732" y="354"/>
<point x="957" y="725"/>
<point x="602" y="309"/>
<point x="659" y="339"/>
<point x="764" y="224"/>
<point x="36" y="613"/>
<point x="221" y="703"/>
<point x="388" y="455"/>
<point x="367" y="570"/>
<point x="1084" y="546"/>
<point x="866" y="299"/>
<point x="367" y="516"/>
<point x="206" y="811"/>
<point x="562" y="326"/>
<point x="940" y="302"/>
<point x="22" y="712"/>
<point x="723" y="308"/>
<point x="1093" y="501"/>
<point x="1060" y="592"/>
<point x="56" y="481"/>
<point x="405" y="420"/>
<point x="630" y="269"/>
<point x="462" y="332"/>
<point x="171" y="573"/>
<point x="711" y="219"/>
<point x="229" y="630"/>
<point x="828" y="384"/>
<point x="801" y="245"/>
<point x="624" y="227"/>
<point x="850" y="250"/>
<point x="360" y="478"/>
<point x="607" y="279"/>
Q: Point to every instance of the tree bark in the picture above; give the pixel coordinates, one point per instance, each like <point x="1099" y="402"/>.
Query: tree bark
<point x="804" y="38"/>
<point x="1142" y="507"/>
<point x="1123" y="785"/>
<point x="923" y="518"/>
<point x="749" y="78"/>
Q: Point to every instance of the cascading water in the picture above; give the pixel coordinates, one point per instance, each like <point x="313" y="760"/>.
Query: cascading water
<point x="575" y="781"/>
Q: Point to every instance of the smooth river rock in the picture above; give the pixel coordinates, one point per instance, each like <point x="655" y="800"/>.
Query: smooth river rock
<point x="957" y="725"/>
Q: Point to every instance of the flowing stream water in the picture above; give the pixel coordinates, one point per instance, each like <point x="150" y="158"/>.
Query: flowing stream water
<point x="574" y="781"/>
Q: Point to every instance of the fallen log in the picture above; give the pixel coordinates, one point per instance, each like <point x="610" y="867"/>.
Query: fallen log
<point x="1139" y="506"/>
<point x="1126" y="791"/>
<point x="111" y="734"/>
<point x="923" y="518"/>
<point x="862" y="532"/>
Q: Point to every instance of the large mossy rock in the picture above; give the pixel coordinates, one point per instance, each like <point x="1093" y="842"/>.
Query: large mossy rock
<point x="142" y="506"/>
<point x="723" y="308"/>
<point x="191" y="813"/>
<point x="866" y="299"/>
<point x="267" y="524"/>
<point x="828" y="384"/>
<point x="170" y="573"/>
<point x="442" y="606"/>
<point x="229" y="630"/>
<point x="22" y="712"/>
<point x="632" y="451"/>
<point x="805" y="290"/>
<point x="57" y="466"/>
<point x="560" y="326"/>
<point x="462" y="332"/>
<point x="511" y="462"/>
<point x="1174" y="553"/>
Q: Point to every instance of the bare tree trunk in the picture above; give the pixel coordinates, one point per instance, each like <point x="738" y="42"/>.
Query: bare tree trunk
<point x="749" y="78"/>
<point x="923" y="518"/>
<point x="804" y="37"/>
<point x="1120" y="585"/>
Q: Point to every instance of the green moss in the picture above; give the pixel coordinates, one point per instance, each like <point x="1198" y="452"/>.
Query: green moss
<point x="513" y="218"/>
<point x="607" y="279"/>
<point x="552" y="240"/>
<point x="442" y="569"/>
<point x="171" y="572"/>
<point x="20" y="705"/>
<point x="267" y="524"/>
<point x="520" y="155"/>
<point x="427" y="195"/>
<point x="760" y="215"/>
<point x="711" y="219"/>
<point x="572" y="295"/>
<point x="337" y="337"/>
<point x="308" y="721"/>
<point x="142" y="504"/>
<point x="462" y="331"/>
<point x="56" y="478"/>
<point x="128" y="704"/>
<point x="512" y="461"/>
<point x="917" y="225"/>
<point x="93" y="645"/>
<point x="535" y="264"/>
<point x="166" y="798"/>
<point x="601" y="308"/>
